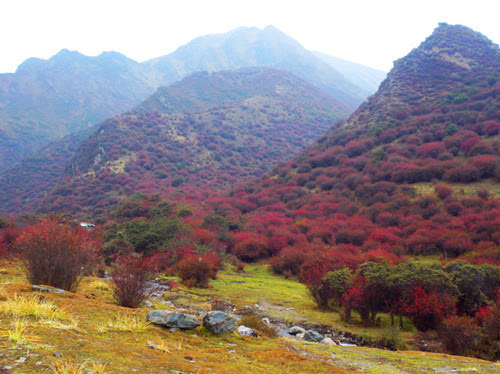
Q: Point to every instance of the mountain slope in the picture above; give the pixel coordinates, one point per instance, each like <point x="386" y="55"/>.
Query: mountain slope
<point x="33" y="177"/>
<point x="366" y="78"/>
<point x="244" y="47"/>
<point x="48" y="99"/>
<point x="400" y="174"/>
<point x="229" y="127"/>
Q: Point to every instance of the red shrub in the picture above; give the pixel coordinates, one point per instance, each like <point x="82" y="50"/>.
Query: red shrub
<point x="427" y="309"/>
<point x="288" y="261"/>
<point x="129" y="281"/>
<point x="250" y="246"/>
<point x="56" y="254"/>
<point x="459" y="335"/>
<point x="196" y="270"/>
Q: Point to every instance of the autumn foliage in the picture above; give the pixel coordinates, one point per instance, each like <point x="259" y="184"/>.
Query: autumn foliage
<point x="56" y="254"/>
<point x="129" y="281"/>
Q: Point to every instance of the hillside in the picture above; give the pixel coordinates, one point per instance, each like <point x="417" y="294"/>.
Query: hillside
<point x="47" y="99"/>
<point x="414" y="171"/>
<point x="269" y="47"/>
<point x="33" y="177"/>
<point x="207" y="132"/>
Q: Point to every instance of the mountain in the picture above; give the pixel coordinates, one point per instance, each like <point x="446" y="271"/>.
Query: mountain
<point x="366" y="78"/>
<point x="414" y="170"/>
<point x="44" y="100"/>
<point x="204" y="133"/>
<point x="246" y="47"/>
<point x="47" y="99"/>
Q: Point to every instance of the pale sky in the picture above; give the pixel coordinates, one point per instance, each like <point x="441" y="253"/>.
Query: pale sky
<point x="370" y="32"/>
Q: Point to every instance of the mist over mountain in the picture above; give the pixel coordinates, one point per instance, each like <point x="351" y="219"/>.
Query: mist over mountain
<point x="366" y="78"/>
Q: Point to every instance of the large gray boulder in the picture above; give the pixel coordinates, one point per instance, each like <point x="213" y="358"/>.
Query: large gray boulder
<point x="219" y="322"/>
<point x="176" y="320"/>
<point x="313" y="336"/>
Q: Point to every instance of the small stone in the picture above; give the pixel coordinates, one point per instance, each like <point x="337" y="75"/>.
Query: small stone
<point x="294" y="330"/>
<point x="152" y="346"/>
<point x="231" y="351"/>
<point x="38" y="363"/>
<point x="57" y="354"/>
<point x="328" y="341"/>
<point x="266" y="321"/>
<point x="8" y="367"/>
<point x="21" y="360"/>
<point x="149" y="304"/>
<point x="174" y="329"/>
<point x="300" y="336"/>
<point x="246" y="331"/>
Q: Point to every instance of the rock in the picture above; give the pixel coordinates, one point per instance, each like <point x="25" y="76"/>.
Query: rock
<point x="152" y="346"/>
<point x="294" y="330"/>
<point x="8" y="368"/>
<point x="47" y="289"/>
<point x="149" y="304"/>
<point x="219" y="322"/>
<point x="171" y="319"/>
<point x="231" y="351"/>
<point x="169" y="304"/>
<point x="284" y="333"/>
<point x="328" y="341"/>
<point x="300" y="336"/>
<point x="21" y="360"/>
<point x="266" y="321"/>
<point x="57" y="354"/>
<point x="313" y="336"/>
<point x="246" y="331"/>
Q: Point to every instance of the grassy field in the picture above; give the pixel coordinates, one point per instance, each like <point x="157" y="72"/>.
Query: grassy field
<point x="95" y="335"/>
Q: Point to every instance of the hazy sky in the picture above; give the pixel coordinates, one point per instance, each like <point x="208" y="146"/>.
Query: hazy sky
<point x="374" y="33"/>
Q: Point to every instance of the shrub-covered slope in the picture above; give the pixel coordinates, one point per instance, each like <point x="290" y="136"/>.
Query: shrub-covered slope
<point x="366" y="186"/>
<point x="210" y="131"/>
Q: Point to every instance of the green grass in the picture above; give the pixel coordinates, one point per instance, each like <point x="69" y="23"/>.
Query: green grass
<point x="279" y="298"/>
<point x="461" y="189"/>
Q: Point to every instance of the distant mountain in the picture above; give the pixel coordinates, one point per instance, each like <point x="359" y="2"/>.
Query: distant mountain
<point x="414" y="170"/>
<point x="204" y="133"/>
<point x="246" y="47"/>
<point x="45" y="100"/>
<point x="366" y="78"/>
<point x="48" y="99"/>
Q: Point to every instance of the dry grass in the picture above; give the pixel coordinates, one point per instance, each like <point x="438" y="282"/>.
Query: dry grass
<point x="99" y="284"/>
<point x="124" y="322"/>
<point x="71" y="367"/>
<point x="17" y="336"/>
<point x="164" y="346"/>
<point x="31" y="306"/>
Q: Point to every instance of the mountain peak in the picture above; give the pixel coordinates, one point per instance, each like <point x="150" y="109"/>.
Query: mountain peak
<point x="458" y="45"/>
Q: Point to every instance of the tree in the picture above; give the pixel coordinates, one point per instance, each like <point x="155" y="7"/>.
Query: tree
<point x="56" y="254"/>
